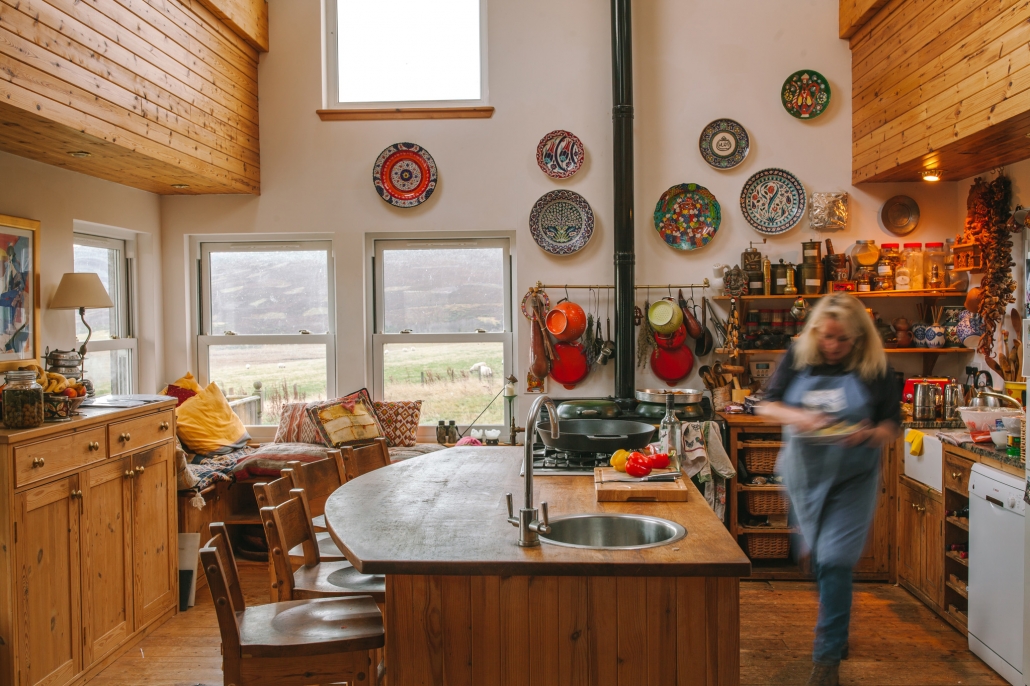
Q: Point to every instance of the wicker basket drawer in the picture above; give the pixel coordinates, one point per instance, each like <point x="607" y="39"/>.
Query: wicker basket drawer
<point x="768" y="546"/>
<point x="760" y="456"/>
<point x="767" y="501"/>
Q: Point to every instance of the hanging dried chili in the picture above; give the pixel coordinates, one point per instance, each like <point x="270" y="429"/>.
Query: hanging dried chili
<point x="987" y="212"/>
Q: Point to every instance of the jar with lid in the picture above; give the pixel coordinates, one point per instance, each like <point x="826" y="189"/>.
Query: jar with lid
<point x="957" y="280"/>
<point x="902" y="278"/>
<point x="882" y="282"/>
<point x="22" y="400"/>
<point x="865" y="254"/>
<point x="864" y="280"/>
<point x="933" y="256"/>
<point x="913" y="258"/>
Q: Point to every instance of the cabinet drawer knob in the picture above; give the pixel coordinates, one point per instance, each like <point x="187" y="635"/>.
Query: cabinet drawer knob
<point x="139" y="470"/>
<point x="94" y="445"/>
<point x="125" y="437"/>
<point x="163" y="426"/>
<point x="129" y="474"/>
<point x="76" y="494"/>
<point x="956" y="475"/>
<point x="38" y="462"/>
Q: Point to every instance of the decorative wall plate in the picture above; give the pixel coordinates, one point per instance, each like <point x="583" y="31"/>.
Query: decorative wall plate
<point x="544" y="300"/>
<point x="805" y="94"/>
<point x="560" y="154"/>
<point x="724" y="144"/>
<point x="561" y="222"/>
<point x="900" y="215"/>
<point x="773" y="201"/>
<point x="405" y="175"/>
<point x="687" y="216"/>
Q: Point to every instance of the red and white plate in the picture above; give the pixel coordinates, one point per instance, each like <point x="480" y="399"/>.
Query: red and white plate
<point x="560" y="154"/>
<point x="405" y="175"/>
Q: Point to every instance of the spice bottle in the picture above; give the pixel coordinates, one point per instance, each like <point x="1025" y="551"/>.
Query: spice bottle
<point x="766" y="276"/>
<point x="933" y="256"/>
<point x="22" y="400"/>
<point x="913" y="258"/>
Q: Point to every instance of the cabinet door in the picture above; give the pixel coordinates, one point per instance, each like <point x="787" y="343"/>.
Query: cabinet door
<point x="876" y="556"/>
<point x="932" y="582"/>
<point x="107" y="597"/>
<point x="910" y="534"/>
<point x="47" y="559"/>
<point x="154" y="536"/>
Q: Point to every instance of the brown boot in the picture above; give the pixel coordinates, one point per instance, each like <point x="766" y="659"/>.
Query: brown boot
<point x="823" y="675"/>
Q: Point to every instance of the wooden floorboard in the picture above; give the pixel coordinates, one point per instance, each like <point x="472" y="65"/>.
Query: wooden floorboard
<point x="894" y="640"/>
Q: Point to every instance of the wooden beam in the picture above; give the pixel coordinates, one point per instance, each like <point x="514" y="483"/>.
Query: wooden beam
<point x="855" y="13"/>
<point x="407" y="113"/>
<point x="248" y="18"/>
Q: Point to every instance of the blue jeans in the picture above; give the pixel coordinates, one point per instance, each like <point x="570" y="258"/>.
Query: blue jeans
<point x="831" y="631"/>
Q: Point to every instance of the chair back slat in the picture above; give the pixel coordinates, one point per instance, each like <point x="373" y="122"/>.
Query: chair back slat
<point x="358" y="461"/>
<point x="319" y="479"/>
<point x="219" y="566"/>
<point x="288" y="525"/>
<point x="232" y="572"/>
<point x="274" y="492"/>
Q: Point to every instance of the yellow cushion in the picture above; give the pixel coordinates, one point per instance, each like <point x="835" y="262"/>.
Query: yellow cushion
<point x="206" y="422"/>
<point x="187" y="382"/>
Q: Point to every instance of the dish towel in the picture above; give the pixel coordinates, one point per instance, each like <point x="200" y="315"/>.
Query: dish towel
<point x="705" y="457"/>
<point x="916" y="439"/>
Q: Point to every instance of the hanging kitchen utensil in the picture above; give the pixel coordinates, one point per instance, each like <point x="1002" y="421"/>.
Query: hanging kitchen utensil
<point x="664" y="316"/>
<point x="527" y="305"/>
<point x="596" y="435"/>
<point x="672" y="340"/>
<point x="566" y="321"/>
<point x="608" y="347"/>
<point x="706" y="343"/>
<point x="645" y="339"/>
<point x="588" y="409"/>
<point x="693" y="326"/>
<point x="570" y="364"/>
<point x="720" y="327"/>
<point x="539" y="364"/>
<point x="671" y="366"/>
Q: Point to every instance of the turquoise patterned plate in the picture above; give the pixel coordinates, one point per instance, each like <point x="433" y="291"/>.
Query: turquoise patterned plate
<point x="773" y="201"/>
<point x="687" y="216"/>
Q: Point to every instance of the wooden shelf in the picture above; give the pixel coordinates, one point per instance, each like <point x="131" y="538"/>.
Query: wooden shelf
<point x="958" y="615"/>
<point x="761" y="444"/>
<point x="741" y="530"/>
<point x="861" y="296"/>
<point x="960" y="522"/>
<point x="954" y="556"/>
<point x="956" y="588"/>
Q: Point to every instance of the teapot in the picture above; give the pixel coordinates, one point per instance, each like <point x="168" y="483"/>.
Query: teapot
<point x="991" y="399"/>
<point x="799" y="310"/>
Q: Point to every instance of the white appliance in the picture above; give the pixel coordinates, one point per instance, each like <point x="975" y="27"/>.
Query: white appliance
<point x="996" y="546"/>
<point x="927" y="468"/>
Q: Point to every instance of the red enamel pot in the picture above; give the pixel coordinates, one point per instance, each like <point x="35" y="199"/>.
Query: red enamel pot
<point x="570" y="365"/>
<point x="566" y="321"/>
<point x="671" y="366"/>
<point x="674" y="340"/>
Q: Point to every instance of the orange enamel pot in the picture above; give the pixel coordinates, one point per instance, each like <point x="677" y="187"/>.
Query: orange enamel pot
<point x="566" y="322"/>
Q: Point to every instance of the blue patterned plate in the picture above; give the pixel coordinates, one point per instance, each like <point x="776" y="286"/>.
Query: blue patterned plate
<point x="724" y="144"/>
<point x="561" y="222"/>
<point x="773" y="201"/>
<point x="687" y="216"/>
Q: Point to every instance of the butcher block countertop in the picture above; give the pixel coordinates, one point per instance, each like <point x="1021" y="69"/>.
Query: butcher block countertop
<point x="445" y="513"/>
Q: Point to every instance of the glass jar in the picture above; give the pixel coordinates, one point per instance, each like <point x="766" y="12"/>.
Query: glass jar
<point x="889" y="255"/>
<point x="882" y="282"/>
<point x="956" y="280"/>
<point x="22" y="400"/>
<point x="902" y="278"/>
<point x="864" y="280"/>
<point x="913" y="258"/>
<point x="933" y="256"/>
<point x="865" y="254"/>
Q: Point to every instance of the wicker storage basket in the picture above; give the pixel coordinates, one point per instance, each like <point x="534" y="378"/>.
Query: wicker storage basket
<point x="771" y="502"/>
<point x="761" y="459"/>
<point x="768" y="546"/>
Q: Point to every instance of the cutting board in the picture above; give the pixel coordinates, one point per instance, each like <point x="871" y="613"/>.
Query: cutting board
<point x="608" y="489"/>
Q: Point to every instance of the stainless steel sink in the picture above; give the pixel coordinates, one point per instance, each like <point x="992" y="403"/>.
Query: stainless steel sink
<point x="612" y="531"/>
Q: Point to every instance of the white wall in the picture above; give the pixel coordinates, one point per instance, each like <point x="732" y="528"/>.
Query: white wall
<point x="550" y="67"/>
<point x="58" y="198"/>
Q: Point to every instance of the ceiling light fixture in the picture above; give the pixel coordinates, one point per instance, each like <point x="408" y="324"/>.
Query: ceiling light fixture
<point x="931" y="174"/>
<point x="80" y="153"/>
<point x="180" y="185"/>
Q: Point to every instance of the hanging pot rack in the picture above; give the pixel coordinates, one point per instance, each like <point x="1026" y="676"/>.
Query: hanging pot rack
<point x="541" y="286"/>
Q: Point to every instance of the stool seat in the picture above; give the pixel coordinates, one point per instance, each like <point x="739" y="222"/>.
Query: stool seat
<point x="311" y="627"/>
<point x="333" y="579"/>
<point x="327" y="549"/>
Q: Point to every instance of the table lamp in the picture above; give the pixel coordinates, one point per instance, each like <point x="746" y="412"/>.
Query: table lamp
<point x="77" y="291"/>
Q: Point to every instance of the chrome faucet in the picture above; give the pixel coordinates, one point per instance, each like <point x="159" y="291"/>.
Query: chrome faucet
<point x="529" y="526"/>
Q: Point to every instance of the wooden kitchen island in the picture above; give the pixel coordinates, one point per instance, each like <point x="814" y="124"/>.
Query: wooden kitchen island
<point x="465" y="605"/>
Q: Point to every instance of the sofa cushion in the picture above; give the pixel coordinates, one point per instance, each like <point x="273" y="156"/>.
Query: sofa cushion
<point x="400" y="421"/>
<point x="350" y="420"/>
<point x="295" y="425"/>
<point x="271" y="458"/>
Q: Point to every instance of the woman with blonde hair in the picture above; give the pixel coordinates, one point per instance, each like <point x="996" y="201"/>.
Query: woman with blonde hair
<point x="836" y="373"/>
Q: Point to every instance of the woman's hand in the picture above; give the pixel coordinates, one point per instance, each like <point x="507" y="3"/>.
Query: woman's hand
<point x="807" y="421"/>
<point x="870" y="436"/>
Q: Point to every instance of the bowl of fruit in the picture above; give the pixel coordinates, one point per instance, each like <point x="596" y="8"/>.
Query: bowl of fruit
<point x="61" y="398"/>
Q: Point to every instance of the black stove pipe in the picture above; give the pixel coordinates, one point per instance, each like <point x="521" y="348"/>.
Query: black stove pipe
<point x="622" y="124"/>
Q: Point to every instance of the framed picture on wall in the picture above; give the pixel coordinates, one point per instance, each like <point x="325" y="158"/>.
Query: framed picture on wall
<point x="19" y="291"/>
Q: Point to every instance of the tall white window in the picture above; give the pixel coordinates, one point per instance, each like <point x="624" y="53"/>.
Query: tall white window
<point x="267" y="326"/>
<point x="442" y="330"/>
<point x="112" y="363"/>
<point x="383" y="52"/>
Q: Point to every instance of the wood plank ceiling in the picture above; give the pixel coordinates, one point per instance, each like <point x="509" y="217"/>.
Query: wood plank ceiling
<point x="937" y="84"/>
<point x="156" y="94"/>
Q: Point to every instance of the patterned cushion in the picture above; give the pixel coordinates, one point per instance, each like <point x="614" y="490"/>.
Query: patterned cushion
<point x="295" y="425"/>
<point x="350" y="420"/>
<point x="400" y="421"/>
<point x="270" y="459"/>
<point x="180" y="394"/>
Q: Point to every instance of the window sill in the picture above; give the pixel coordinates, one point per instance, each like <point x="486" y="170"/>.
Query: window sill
<point x="407" y="113"/>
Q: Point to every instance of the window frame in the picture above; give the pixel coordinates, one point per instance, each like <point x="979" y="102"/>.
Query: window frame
<point x="204" y="339"/>
<point x="125" y="300"/>
<point x="376" y="244"/>
<point x="331" y="85"/>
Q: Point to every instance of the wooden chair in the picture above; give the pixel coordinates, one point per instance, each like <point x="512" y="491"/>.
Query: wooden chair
<point x="291" y="643"/>
<point x="278" y="492"/>
<point x="319" y="479"/>
<point x="288" y="526"/>
<point x="358" y="461"/>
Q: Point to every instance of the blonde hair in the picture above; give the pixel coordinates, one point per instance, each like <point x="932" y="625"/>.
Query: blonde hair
<point x="866" y="357"/>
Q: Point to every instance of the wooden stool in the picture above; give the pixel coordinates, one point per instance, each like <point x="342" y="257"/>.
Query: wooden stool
<point x="288" y="526"/>
<point x="319" y="480"/>
<point x="290" y="643"/>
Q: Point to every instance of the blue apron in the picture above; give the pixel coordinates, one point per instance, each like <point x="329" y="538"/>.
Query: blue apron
<point x="832" y="488"/>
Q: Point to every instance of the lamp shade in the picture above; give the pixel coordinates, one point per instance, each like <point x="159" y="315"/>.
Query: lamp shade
<point x="80" y="290"/>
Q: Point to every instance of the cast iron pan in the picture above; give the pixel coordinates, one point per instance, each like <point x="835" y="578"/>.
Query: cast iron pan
<point x="596" y="435"/>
